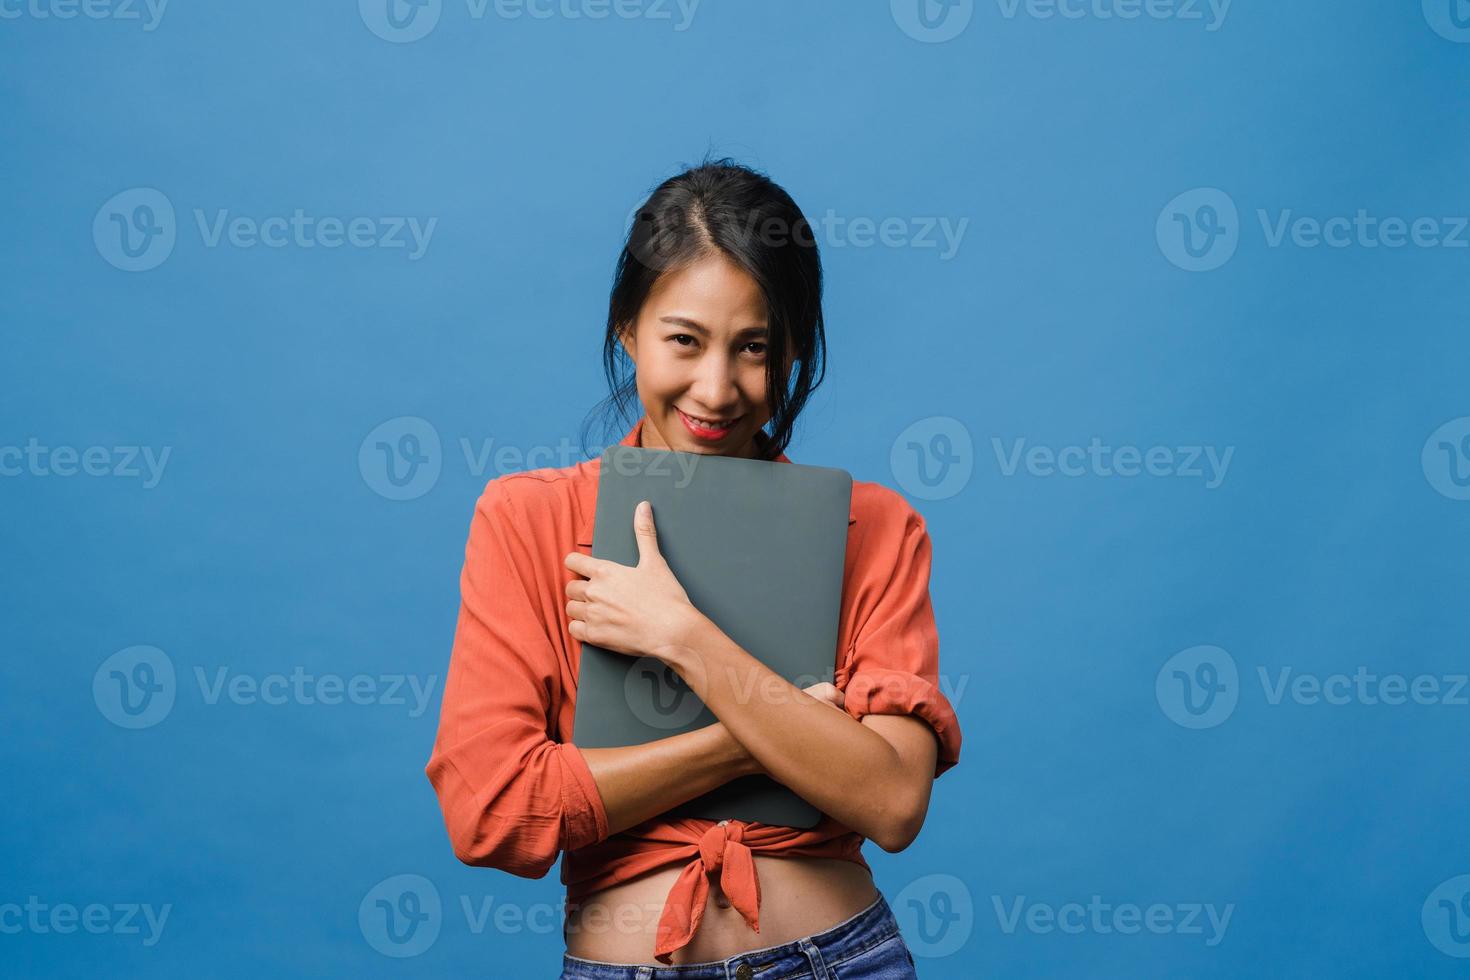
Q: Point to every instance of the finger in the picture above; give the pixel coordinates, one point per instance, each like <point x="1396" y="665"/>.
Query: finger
<point x="576" y="610"/>
<point x="646" y="533"/>
<point x="827" y="693"/>
<point x="577" y="588"/>
<point x="584" y="565"/>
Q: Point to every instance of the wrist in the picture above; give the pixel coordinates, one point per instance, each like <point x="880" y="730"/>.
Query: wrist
<point x="682" y="651"/>
<point x="734" y="758"/>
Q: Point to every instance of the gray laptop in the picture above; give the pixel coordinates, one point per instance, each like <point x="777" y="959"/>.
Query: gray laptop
<point x="760" y="548"/>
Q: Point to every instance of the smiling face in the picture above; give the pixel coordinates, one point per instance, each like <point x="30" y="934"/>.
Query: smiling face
<point x="699" y="349"/>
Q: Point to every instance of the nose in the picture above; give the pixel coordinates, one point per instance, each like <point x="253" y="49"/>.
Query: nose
<point x="714" y="385"/>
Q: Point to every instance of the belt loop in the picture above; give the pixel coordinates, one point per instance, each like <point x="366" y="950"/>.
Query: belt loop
<point x="814" y="956"/>
<point x="645" y="973"/>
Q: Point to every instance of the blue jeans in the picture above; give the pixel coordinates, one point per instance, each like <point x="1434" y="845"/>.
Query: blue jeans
<point x="867" y="946"/>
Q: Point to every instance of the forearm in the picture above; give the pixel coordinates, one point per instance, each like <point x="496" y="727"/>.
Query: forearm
<point x="641" y="781"/>
<point x="828" y="758"/>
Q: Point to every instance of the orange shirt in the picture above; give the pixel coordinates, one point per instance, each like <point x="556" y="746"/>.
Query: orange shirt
<point x="516" y="791"/>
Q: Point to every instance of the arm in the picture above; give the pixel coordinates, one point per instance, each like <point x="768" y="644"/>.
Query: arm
<point x="900" y="731"/>
<point x="641" y="781"/>
<point x="512" y="797"/>
<point x="873" y="776"/>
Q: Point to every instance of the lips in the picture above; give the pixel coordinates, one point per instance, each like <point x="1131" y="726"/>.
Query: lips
<point x="703" y="429"/>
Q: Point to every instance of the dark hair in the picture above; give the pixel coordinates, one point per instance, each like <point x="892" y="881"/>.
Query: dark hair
<point x="720" y="206"/>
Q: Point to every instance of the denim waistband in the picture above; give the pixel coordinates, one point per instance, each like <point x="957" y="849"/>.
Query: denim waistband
<point x="848" y="938"/>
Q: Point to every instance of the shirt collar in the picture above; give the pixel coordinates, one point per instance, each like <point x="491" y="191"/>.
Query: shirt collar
<point x="589" y="503"/>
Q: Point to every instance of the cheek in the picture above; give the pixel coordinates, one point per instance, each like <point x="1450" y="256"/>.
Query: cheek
<point x="656" y="372"/>
<point x="753" y="380"/>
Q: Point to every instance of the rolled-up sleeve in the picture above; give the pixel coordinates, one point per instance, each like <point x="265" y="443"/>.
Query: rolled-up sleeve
<point x="513" y="798"/>
<point x="893" y="668"/>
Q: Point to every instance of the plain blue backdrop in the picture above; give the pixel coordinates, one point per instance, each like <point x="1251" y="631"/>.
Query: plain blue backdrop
<point x="1129" y="267"/>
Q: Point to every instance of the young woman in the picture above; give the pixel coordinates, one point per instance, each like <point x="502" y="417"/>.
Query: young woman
<point x="716" y="310"/>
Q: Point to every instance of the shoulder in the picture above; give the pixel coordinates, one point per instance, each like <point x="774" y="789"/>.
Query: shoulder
<point x="546" y="498"/>
<point x="889" y="533"/>
<point x="882" y="511"/>
<point x="888" y="552"/>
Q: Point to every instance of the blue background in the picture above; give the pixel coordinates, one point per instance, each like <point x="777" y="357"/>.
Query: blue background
<point x="269" y="545"/>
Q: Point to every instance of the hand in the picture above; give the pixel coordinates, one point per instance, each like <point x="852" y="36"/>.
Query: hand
<point x="640" y="610"/>
<point x="827" y="693"/>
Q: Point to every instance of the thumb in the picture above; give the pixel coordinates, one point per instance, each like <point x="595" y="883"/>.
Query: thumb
<point x="645" y="533"/>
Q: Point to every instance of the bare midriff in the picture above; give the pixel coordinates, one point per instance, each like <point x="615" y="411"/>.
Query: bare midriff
<point x="799" y="897"/>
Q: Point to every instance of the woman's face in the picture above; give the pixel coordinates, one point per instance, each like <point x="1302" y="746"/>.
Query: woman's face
<point x="699" y="349"/>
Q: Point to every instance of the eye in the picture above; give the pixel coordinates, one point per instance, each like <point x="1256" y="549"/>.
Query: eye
<point x="756" y="343"/>
<point x="681" y="336"/>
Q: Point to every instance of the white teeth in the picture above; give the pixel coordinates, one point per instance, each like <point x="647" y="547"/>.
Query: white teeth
<point x="708" y="423"/>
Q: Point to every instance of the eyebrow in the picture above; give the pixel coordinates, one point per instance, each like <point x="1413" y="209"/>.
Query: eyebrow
<point x="688" y="324"/>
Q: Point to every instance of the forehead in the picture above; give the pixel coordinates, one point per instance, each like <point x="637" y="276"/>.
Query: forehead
<point x="711" y="289"/>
